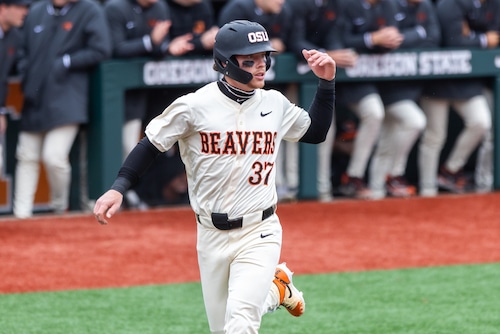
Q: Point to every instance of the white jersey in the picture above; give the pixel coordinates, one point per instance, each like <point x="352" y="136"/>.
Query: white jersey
<point x="229" y="149"/>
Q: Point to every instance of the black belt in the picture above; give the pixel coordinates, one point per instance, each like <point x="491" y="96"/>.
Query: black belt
<point x="222" y="221"/>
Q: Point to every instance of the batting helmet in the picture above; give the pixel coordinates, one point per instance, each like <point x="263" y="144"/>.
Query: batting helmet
<point x="240" y="37"/>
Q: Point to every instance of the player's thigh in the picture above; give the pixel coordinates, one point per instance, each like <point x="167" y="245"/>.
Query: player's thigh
<point x="252" y="269"/>
<point x="57" y="145"/>
<point x="370" y="107"/>
<point x="475" y="112"/>
<point x="406" y="113"/>
<point x="29" y="146"/>
<point x="436" y="112"/>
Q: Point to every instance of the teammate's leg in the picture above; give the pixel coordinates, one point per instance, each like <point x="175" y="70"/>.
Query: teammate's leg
<point x="55" y="156"/>
<point x="483" y="174"/>
<point x="323" y="180"/>
<point x="370" y="111"/>
<point x="477" y="122"/>
<point x="433" y="139"/>
<point x="292" y="168"/>
<point x="28" y="153"/>
<point x="412" y="120"/>
<point x="130" y="135"/>
<point x="403" y="123"/>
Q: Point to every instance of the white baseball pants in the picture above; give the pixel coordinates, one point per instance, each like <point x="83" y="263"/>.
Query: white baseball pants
<point x="370" y="112"/>
<point x="483" y="174"/>
<point x="131" y="134"/>
<point x="287" y="169"/>
<point x="52" y="148"/>
<point x="237" y="269"/>
<point x="476" y="116"/>
<point x="403" y="123"/>
<point x="324" y="168"/>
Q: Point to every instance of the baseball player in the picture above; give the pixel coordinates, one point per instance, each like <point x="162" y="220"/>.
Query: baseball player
<point x="229" y="133"/>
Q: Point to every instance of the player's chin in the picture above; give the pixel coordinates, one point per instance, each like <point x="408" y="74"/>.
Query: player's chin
<point x="258" y="81"/>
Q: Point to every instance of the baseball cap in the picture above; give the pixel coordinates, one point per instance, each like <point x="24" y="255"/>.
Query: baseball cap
<point x="16" y="2"/>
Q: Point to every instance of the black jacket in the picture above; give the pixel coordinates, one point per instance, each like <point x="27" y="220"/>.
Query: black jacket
<point x="59" y="51"/>
<point x="195" y="19"/>
<point x="420" y="26"/>
<point x="316" y="25"/>
<point x="453" y="16"/>
<point x="277" y="25"/>
<point x="9" y="41"/>
<point x="131" y="26"/>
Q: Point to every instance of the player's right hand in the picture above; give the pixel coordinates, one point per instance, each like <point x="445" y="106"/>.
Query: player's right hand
<point x="107" y="205"/>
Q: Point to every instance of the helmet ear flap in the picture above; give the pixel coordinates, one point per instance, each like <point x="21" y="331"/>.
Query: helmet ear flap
<point x="268" y="60"/>
<point x="230" y="68"/>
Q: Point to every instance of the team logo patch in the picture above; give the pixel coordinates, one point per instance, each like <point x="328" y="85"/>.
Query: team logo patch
<point x="152" y="23"/>
<point x="257" y="37"/>
<point x="68" y="25"/>
<point x="199" y="27"/>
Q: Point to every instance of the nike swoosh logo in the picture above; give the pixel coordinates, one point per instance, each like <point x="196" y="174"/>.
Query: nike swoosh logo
<point x="263" y="114"/>
<point x="265" y="235"/>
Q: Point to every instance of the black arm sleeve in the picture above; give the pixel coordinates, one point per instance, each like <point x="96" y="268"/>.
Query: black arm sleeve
<point x="136" y="164"/>
<point x="321" y="113"/>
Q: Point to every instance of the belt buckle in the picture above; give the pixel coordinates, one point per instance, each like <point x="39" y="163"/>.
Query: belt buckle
<point x="222" y="221"/>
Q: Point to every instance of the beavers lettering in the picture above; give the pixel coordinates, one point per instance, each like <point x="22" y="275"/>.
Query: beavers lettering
<point x="238" y="142"/>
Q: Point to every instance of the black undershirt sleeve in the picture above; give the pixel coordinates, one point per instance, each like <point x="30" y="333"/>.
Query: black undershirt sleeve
<point x="136" y="164"/>
<point x="321" y="113"/>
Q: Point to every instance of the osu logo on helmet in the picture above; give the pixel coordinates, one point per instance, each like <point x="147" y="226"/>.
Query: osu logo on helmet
<point x="258" y="36"/>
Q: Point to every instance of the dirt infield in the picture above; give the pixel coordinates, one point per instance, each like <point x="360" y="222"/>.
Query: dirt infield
<point x="158" y="246"/>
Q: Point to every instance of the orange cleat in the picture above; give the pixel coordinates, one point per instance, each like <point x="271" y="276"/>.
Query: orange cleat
<point x="290" y="297"/>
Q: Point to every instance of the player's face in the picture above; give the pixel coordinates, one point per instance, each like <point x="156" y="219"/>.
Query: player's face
<point x="187" y="3"/>
<point x="14" y="15"/>
<point x="270" y="6"/>
<point x="254" y="64"/>
<point x="146" y="3"/>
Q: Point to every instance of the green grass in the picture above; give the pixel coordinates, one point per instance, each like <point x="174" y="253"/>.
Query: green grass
<point x="454" y="300"/>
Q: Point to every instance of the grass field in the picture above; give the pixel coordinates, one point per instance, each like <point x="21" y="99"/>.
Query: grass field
<point x="444" y="300"/>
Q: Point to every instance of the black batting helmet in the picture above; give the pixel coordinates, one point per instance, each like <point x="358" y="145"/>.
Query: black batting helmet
<point x="240" y="37"/>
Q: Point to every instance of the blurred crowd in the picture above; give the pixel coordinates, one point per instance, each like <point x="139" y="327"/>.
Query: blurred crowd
<point x="54" y="45"/>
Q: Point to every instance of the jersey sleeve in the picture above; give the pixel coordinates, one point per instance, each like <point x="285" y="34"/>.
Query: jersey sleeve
<point x="296" y="121"/>
<point x="171" y="125"/>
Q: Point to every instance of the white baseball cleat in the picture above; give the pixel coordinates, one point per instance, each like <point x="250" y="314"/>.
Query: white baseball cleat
<point x="290" y="297"/>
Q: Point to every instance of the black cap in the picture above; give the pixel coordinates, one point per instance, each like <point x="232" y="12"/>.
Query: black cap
<point x="16" y="2"/>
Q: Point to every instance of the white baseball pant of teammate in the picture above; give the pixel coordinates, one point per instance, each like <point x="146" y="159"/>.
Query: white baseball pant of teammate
<point x="370" y="112"/>
<point x="324" y="168"/>
<point x="52" y="148"/>
<point x="476" y="116"/>
<point x="403" y="123"/>
<point x="483" y="174"/>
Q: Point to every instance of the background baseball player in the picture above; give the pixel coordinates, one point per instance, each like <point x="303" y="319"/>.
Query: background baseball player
<point x="229" y="133"/>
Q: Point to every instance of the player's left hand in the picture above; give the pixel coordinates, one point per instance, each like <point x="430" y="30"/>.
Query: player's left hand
<point x="322" y="65"/>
